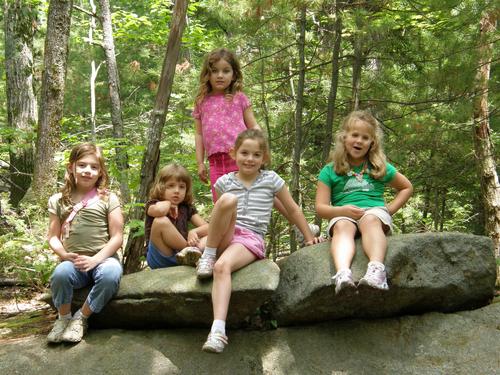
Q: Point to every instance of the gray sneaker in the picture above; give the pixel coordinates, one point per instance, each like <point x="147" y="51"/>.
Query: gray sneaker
<point x="57" y="331"/>
<point x="215" y="343"/>
<point x="300" y="237"/>
<point x="75" y="330"/>
<point x="343" y="281"/>
<point x="375" y="276"/>
<point x="205" y="267"/>
<point x="188" y="256"/>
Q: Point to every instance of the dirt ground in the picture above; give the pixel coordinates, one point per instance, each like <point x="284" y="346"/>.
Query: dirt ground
<point x="22" y="314"/>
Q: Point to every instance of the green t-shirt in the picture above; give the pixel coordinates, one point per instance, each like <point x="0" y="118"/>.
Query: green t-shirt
<point x="88" y="231"/>
<point x="345" y="190"/>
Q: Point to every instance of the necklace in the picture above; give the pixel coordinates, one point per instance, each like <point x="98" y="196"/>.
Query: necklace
<point x="358" y="175"/>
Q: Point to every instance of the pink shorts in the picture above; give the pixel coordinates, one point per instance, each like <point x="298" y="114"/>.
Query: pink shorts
<point x="252" y="241"/>
<point x="220" y="164"/>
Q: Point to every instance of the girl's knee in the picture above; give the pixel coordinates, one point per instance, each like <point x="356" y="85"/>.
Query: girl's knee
<point x="62" y="273"/>
<point x="344" y="227"/>
<point x="370" y="222"/>
<point x="161" y="221"/>
<point x="227" y="200"/>
<point x="221" y="267"/>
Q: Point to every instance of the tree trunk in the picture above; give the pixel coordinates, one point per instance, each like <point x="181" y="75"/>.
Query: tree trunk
<point x="357" y="64"/>
<point x="482" y="133"/>
<point x="121" y="157"/>
<point x="52" y="99"/>
<point x="151" y="157"/>
<point x="93" y="70"/>
<point x="297" y="147"/>
<point x="19" y="18"/>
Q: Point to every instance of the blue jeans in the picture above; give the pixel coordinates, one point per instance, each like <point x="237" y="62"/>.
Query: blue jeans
<point x="105" y="278"/>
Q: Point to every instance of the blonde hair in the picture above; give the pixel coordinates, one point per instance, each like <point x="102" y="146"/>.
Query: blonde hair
<point x="77" y="152"/>
<point x="211" y="59"/>
<point x="256" y="135"/>
<point x="375" y="155"/>
<point x="177" y="172"/>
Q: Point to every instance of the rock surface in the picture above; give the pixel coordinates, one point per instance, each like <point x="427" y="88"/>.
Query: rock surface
<point x="174" y="297"/>
<point x="458" y="343"/>
<point x="443" y="272"/>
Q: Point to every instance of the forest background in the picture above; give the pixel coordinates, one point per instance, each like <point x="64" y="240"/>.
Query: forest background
<point x="416" y="65"/>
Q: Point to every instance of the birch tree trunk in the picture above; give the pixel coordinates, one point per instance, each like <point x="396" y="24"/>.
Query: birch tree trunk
<point x="52" y="99"/>
<point x="121" y="157"/>
<point x="19" y="21"/>
<point x="297" y="148"/>
<point x="482" y="133"/>
<point x="134" y="248"/>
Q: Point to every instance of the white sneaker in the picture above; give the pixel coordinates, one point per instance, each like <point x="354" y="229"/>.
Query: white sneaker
<point x="188" y="256"/>
<point x="215" y="343"/>
<point x="205" y="267"/>
<point x="57" y="331"/>
<point x="375" y="276"/>
<point x="343" y="281"/>
<point x="300" y="237"/>
<point x="75" y="330"/>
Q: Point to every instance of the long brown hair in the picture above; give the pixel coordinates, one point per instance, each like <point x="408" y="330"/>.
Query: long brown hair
<point x="77" y="152"/>
<point x="211" y="59"/>
<point x="375" y="155"/>
<point x="177" y="172"/>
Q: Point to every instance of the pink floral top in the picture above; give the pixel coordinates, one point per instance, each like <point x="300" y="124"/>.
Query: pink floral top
<point x="221" y="120"/>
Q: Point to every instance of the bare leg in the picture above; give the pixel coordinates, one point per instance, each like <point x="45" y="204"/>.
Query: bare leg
<point x="236" y="256"/>
<point x="222" y="221"/>
<point x="166" y="237"/>
<point x="86" y="310"/>
<point x="64" y="309"/>
<point x="343" y="247"/>
<point x="373" y="238"/>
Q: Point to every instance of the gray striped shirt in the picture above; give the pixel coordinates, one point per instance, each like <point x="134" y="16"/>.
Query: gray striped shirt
<point x="255" y="203"/>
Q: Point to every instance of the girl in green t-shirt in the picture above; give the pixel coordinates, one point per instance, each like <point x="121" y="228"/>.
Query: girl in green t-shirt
<point x="350" y="195"/>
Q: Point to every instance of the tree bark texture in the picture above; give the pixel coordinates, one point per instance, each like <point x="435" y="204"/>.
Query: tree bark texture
<point x="121" y="157"/>
<point x="52" y="99"/>
<point x="151" y="157"/>
<point x="297" y="148"/>
<point x="357" y="64"/>
<point x="19" y="20"/>
<point x="482" y="133"/>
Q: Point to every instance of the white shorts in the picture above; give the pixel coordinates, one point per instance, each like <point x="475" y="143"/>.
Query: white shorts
<point x="381" y="212"/>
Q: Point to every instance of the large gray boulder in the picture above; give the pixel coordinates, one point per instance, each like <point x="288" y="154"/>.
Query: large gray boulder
<point x="174" y="297"/>
<point x="442" y="272"/>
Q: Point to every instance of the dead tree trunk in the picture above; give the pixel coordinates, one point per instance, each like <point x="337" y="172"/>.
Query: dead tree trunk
<point x="121" y="157"/>
<point x="134" y="248"/>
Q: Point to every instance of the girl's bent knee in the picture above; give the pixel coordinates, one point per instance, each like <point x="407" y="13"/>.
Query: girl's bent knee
<point x="221" y="268"/>
<point x="63" y="272"/>
<point x="227" y="200"/>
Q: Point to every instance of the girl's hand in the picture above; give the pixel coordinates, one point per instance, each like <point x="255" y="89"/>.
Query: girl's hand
<point x="193" y="238"/>
<point x="353" y="212"/>
<point x="315" y="240"/>
<point x="202" y="172"/>
<point x="85" y="263"/>
<point x="69" y="256"/>
<point x="174" y="211"/>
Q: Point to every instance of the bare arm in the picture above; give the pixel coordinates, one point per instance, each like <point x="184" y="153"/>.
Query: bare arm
<point x="296" y="216"/>
<point x="404" y="191"/>
<point x="249" y="119"/>
<point x="53" y="238"/>
<point x="326" y="211"/>
<point x="159" y="209"/>
<point x="200" y="151"/>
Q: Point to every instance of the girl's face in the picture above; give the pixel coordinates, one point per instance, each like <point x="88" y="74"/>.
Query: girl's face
<point x="249" y="157"/>
<point x="86" y="171"/>
<point x="175" y="191"/>
<point x="221" y="76"/>
<point x="357" y="142"/>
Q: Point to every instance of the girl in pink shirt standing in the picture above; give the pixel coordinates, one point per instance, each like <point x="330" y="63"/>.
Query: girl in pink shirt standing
<point x="221" y="112"/>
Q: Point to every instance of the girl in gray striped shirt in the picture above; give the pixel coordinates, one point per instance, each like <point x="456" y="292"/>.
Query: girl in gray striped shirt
<point x="239" y="223"/>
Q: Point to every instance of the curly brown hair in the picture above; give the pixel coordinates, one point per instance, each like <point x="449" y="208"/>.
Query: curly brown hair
<point x="212" y="58"/>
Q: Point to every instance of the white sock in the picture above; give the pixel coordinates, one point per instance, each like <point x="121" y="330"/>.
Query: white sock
<point x="65" y="316"/>
<point x="219" y="325"/>
<point x="377" y="264"/>
<point x="79" y="315"/>
<point x="210" y="252"/>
